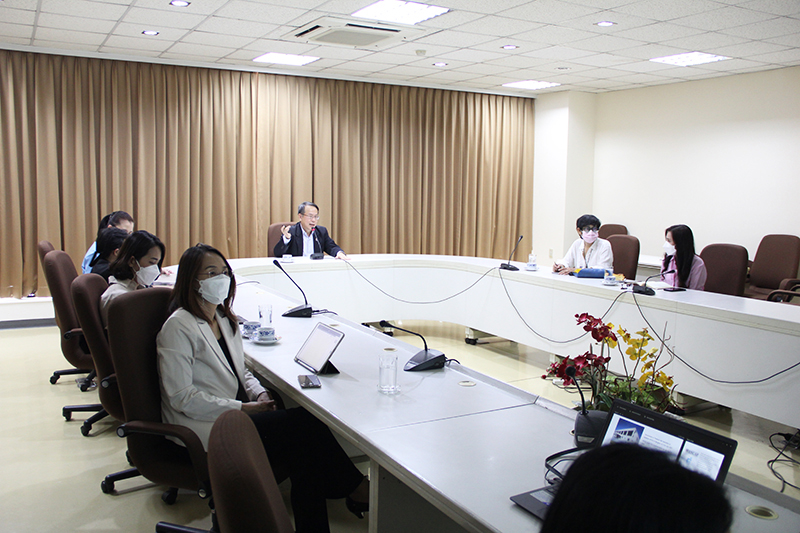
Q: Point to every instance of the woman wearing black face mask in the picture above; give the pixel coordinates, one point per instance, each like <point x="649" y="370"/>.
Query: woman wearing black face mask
<point x="689" y="269"/>
<point x="202" y="370"/>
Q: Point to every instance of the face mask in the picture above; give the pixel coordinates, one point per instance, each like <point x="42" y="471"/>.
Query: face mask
<point x="215" y="290"/>
<point x="669" y="249"/>
<point x="589" y="236"/>
<point x="147" y="275"/>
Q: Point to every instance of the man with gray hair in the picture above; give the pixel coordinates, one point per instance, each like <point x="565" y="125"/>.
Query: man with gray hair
<point x="306" y="238"/>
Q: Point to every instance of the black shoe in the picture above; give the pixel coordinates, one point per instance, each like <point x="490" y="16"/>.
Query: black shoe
<point x="357" y="508"/>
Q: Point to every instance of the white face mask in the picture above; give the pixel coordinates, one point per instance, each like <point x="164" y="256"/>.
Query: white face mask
<point x="668" y="248"/>
<point x="147" y="275"/>
<point x="215" y="290"/>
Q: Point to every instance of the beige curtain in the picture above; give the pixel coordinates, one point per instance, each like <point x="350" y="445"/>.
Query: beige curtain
<point x="215" y="156"/>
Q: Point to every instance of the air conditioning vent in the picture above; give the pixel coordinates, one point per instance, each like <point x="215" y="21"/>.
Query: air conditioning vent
<point x="340" y="32"/>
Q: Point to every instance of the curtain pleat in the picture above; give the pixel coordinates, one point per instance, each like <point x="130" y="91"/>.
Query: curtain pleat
<point x="215" y="156"/>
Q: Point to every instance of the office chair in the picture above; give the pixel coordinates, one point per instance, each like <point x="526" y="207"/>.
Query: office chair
<point x="607" y="230"/>
<point x="785" y="295"/>
<point x="274" y="235"/>
<point x="86" y="292"/>
<point x="775" y="266"/>
<point x="246" y="495"/>
<point x="60" y="272"/>
<point x="134" y="320"/>
<point x="726" y="268"/>
<point x="626" y="254"/>
<point x="76" y="351"/>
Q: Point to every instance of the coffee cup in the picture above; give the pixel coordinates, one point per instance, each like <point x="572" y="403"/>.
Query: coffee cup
<point x="249" y="328"/>
<point x="266" y="334"/>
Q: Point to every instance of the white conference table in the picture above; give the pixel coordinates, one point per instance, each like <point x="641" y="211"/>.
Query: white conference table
<point x="724" y="337"/>
<point x="449" y="450"/>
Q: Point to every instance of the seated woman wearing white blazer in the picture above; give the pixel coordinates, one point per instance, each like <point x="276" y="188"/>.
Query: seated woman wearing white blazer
<point x="201" y="364"/>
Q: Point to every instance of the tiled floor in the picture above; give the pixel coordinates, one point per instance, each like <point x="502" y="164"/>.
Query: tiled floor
<point x="51" y="474"/>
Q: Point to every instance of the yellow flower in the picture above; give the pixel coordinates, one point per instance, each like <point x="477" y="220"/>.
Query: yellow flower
<point x="643" y="379"/>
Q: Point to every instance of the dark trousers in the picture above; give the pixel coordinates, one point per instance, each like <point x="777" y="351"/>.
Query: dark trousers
<point x="303" y="449"/>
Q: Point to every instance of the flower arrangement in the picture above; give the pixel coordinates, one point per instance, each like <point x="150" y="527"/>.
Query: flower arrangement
<point x="652" y="388"/>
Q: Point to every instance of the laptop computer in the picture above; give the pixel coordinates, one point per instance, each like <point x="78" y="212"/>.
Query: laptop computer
<point x="316" y="351"/>
<point x="694" y="448"/>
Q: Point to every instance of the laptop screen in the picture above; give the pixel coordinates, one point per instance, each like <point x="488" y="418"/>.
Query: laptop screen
<point x="693" y="448"/>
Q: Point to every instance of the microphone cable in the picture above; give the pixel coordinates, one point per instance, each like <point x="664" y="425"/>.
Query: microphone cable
<point x="541" y="336"/>
<point x="419" y="303"/>
<point x="700" y="373"/>
<point x="786" y="459"/>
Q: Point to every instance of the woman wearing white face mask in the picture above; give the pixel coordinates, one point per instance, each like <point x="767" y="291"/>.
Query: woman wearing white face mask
<point x="588" y="251"/>
<point x="203" y="374"/>
<point x="137" y="266"/>
<point x="688" y="269"/>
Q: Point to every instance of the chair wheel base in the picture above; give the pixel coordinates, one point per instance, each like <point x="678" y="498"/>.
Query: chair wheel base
<point x="170" y="496"/>
<point x="107" y="487"/>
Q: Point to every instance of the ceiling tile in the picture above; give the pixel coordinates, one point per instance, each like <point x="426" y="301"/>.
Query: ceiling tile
<point x="484" y="69"/>
<point x="458" y="39"/>
<point x="623" y="22"/>
<point x="659" y="31"/>
<point x="236" y="27"/>
<point x="64" y="45"/>
<point x="389" y="59"/>
<point x="474" y="55"/>
<point x="84" y="8"/>
<point x="776" y="27"/>
<point x="412" y="47"/>
<point x="449" y="75"/>
<point x="791" y="56"/>
<point x="17" y="16"/>
<point x="775" y="7"/>
<point x="497" y="26"/>
<point x="29" y="5"/>
<point x="605" y="43"/>
<point x="451" y="19"/>
<point x="749" y="49"/>
<point x="667" y="9"/>
<point x="64" y="22"/>
<point x="135" y="30"/>
<point x="557" y="52"/>
<point x="404" y="70"/>
<point x="497" y="46"/>
<point x="478" y="6"/>
<point x="705" y="42"/>
<point x="337" y="52"/>
<point x="124" y="52"/>
<point x="201" y="7"/>
<point x="726" y="17"/>
<point x="649" y="51"/>
<point x="554" y="35"/>
<point x="262" y="46"/>
<point x="260" y="12"/>
<point x="154" y="18"/>
<point x="201" y="50"/>
<point x="602" y="60"/>
<point x="216" y="39"/>
<point x="137" y="43"/>
<point x="14" y="30"/>
<point x="68" y="36"/>
<point x="548" y="11"/>
<point x="787" y="40"/>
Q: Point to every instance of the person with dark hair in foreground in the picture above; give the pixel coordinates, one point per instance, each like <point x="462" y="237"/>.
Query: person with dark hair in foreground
<point x="202" y="370"/>
<point x="690" y="271"/>
<point x="117" y="219"/>
<point x="629" y="489"/>
<point x="588" y="251"/>
<point x="306" y="237"/>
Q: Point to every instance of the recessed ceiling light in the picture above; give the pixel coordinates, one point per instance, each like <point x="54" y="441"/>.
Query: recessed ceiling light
<point x="531" y="85"/>
<point x="400" y="11"/>
<point x="150" y="32"/>
<point x="180" y="3"/>
<point x="285" y="59"/>
<point x="440" y="64"/>
<point x="605" y="23"/>
<point x="688" y="59"/>
<point x="510" y="47"/>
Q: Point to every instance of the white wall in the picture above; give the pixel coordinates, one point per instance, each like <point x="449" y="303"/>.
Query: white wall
<point x="720" y="155"/>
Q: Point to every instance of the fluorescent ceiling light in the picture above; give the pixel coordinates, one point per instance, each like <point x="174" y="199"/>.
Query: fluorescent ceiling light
<point x="285" y="59"/>
<point x="688" y="59"/>
<point x="531" y="85"/>
<point x="150" y="32"/>
<point x="400" y="12"/>
<point x="605" y="23"/>
<point x="510" y="47"/>
<point x="440" y="64"/>
<point x="180" y="3"/>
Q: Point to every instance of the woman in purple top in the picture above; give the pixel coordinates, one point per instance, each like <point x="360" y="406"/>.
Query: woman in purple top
<point x="688" y="269"/>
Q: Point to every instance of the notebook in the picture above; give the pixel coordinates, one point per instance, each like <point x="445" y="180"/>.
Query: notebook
<point x="693" y="448"/>
<point x="316" y="352"/>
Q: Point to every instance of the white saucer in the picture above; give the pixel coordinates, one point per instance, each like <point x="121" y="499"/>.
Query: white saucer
<point x="266" y="343"/>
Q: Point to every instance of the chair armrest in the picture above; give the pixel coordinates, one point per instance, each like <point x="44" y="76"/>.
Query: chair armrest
<point x="789" y="284"/>
<point x="189" y="438"/>
<point x="75" y="332"/>
<point x="108" y="381"/>
<point x="782" y="296"/>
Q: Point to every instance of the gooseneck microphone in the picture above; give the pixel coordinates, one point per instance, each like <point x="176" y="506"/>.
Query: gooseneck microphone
<point x="301" y="311"/>
<point x="644" y="289"/>
<point x="425" y="359"/>
<point x="588" y="424"/>
<point x="508" y="265"/>
<point x="321" y="253"/>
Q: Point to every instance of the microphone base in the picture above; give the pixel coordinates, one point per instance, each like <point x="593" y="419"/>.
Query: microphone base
<point x="301" y="311"/>
<point x="643" y="289"/>
<point x="317" y="255"/>
<point x="425" y="360"/>
<point x="588" y="427"/>
<point x="507" y="266"/>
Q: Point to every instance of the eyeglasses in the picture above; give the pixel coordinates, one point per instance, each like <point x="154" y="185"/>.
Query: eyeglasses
<point x="587" y="229"/>
<point x="312" y="217"/>
<point x="213" y="274"/>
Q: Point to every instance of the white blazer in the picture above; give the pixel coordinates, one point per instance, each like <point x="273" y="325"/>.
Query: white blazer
<point x="197" y="384"/>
